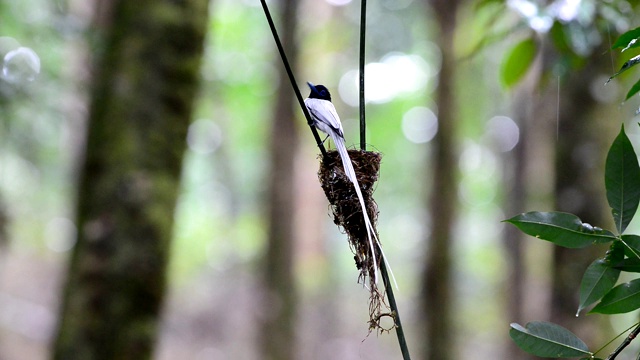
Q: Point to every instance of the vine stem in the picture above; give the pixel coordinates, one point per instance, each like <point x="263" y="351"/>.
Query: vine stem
<point x="292" y="78"/>
<point x="363" y="146"/>
<point x="404" y="349"/>
<point x="625" y="343"/>
<point x="363" y="31"/>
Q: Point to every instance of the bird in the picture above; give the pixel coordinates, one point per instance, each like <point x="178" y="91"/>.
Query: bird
<point x="325" y="118"/>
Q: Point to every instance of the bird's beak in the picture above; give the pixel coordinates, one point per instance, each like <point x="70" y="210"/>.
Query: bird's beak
<point x="313" y="87"/>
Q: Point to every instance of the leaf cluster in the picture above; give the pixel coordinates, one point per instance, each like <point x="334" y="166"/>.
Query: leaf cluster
<point x="573" y="34"/>
<point x="598" y="285"/>
<point x="627" y="41"/>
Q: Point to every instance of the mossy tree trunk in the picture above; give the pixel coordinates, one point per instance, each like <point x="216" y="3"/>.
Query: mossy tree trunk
<point x="437" y="288"/>
<point x="278" y="336"/>
<point x="144" y="87"/>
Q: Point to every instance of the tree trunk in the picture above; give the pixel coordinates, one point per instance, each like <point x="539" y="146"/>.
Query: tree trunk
<point x="140" y="110"/>
<point x="515" y="202"/>
<point x="437" y="284"/>
<point x="279" y="312"/>
<point x="579" y="187"/>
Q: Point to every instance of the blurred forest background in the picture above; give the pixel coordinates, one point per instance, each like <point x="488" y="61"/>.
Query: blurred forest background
<point x="240" y="258"/>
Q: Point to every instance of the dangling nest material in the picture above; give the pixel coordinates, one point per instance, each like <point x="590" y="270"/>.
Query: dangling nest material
<point x="347" y="213"/>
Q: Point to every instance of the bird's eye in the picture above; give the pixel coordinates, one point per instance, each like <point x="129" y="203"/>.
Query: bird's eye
<point x="323" y="92"/>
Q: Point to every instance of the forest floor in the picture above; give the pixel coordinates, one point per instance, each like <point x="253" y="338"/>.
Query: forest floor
<point x="212" y="316"/>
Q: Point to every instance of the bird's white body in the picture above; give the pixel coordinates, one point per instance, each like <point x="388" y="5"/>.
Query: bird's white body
<point x="326" y="119"/>
<point x="325" y="116"/>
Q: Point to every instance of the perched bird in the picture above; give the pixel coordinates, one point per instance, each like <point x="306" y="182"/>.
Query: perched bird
<point x="326" y="119"/>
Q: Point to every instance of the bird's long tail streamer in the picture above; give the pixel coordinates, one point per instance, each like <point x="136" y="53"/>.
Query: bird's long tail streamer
<point x="351" y="174"/>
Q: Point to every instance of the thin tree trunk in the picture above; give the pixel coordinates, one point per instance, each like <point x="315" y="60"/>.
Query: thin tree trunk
<point x="579" y="188"/>
<point x="437" y="280"/>
<point x="278" y="327"/>
<point x="515" y="180"/>
<point x="521" y="170"/>
<point x="140" y="110"/>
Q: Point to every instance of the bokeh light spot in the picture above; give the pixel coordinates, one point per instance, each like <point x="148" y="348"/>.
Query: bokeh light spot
<point x="20" y="65"/>
<point x="503" y="132"/>
<point x="204" y="136"/>
<point x="348" y="92"/>
<point x="7" y="44"/>
<point x="478" y="159"/>
<point x="338" y="2"/>
<point x="60" y="234"/>
<point x="395" y="75"/>
<point x="419" y="125"/>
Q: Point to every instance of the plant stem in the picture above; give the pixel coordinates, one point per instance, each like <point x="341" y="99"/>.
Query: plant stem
<point x="625" y="343"/>
<point x="363" y="146"/>
<point x="616" y="338"/>
<point x="396" y="315"/>
<point x="292" y="78"/>
<point x="363" y="30"/>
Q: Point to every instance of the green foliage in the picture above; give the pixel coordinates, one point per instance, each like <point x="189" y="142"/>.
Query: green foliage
<point x="562" y="229"/>
<point x="548" y="340"/>
<point x="634" y="90"/>
<point x="573" y="38"/>
<point x="598" y="279"/>
<point x="631" y="246"/>
<point x="629" y="265"/>
<point x="621" y="299"/>
<point x="626" y="66"/>
<point x="517" y="62"/>
<point x="622" y="182"/>
<point x="627" y="40"/>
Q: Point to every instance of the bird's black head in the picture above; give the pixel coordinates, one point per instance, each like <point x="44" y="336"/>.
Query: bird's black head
<point x="319" y="92"/>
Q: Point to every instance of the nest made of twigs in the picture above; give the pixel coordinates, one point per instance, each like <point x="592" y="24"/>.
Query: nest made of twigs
<point x="347" y="214"/>
<point x="345" y="205"/>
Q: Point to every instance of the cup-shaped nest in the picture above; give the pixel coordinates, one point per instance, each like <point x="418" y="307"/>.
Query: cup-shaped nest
<point x="345" y="205"/>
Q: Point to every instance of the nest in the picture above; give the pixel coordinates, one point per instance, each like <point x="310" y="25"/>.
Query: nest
<point x="347" y="214"/>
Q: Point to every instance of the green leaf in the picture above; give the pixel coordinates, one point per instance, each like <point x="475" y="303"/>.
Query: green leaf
<point x="626" y="66"/>
<point x="628" y="265"/>
<point x="621" y="299"/>
<point x="622" y="181"/>
<point x="548" y="340"/>
<point x="634" y="90"/>
<point x="615" y="254"/>
<point x="631" y="245"/>
<point x="560" y="228"/>
<point x="597" y="280"/>
<point x="561" y="36"/>
<point x="517" y="62"/>
<point x="627" y="40"/>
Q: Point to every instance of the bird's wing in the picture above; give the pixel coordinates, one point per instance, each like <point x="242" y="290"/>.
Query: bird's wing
<point x="325" y="115"/>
